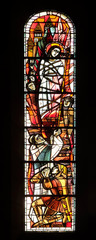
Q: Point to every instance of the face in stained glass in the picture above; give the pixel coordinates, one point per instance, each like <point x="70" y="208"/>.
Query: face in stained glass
<point x="50" y="123"/>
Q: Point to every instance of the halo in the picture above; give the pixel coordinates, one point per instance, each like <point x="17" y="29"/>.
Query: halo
<point x="54" y="45"/>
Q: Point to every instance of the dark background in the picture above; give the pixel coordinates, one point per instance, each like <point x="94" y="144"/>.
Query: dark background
<point x="12" y="139"/>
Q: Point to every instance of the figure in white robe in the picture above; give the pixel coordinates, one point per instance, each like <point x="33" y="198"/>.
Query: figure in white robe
<point x="51" y="75"/>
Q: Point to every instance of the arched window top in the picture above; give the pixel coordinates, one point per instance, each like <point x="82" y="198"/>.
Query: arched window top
<point x="54" y="15"/>
<point x="50" y="122"/>
<point x="37" y="24"/>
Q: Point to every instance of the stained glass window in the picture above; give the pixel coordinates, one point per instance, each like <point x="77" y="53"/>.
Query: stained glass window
<point x="50" y="122"/>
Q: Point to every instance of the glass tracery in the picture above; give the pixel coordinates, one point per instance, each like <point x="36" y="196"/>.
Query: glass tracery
<point x="50" y="122"/>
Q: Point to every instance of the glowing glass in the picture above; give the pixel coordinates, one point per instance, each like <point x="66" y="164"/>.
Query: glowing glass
<point x="50" y="122"/>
